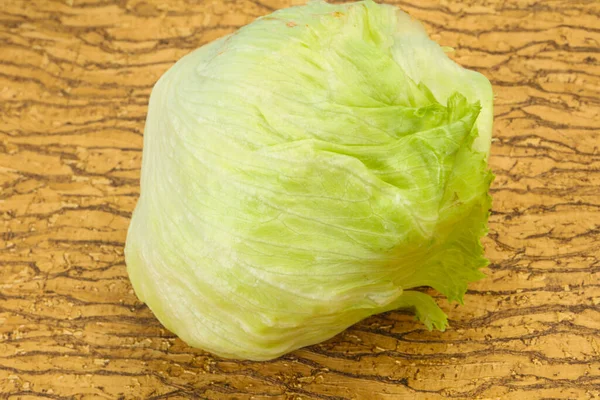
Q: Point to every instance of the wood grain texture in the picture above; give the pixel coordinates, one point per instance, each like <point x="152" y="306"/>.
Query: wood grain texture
<point x="75" y="77"/>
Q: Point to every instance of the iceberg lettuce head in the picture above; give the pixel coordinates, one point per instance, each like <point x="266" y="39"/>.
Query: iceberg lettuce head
<point x="305" y="172"/>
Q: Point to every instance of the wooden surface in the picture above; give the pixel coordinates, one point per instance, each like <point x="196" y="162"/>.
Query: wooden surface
<point x="75" y="77"/>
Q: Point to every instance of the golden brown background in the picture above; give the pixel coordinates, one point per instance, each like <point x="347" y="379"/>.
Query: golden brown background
<point x="75" y="77"/>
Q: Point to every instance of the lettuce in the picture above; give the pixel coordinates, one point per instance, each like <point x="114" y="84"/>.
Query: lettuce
<point x="308" y="171"/>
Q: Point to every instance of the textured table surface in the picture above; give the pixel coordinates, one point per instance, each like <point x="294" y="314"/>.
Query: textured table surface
<point x="75" y="77"/>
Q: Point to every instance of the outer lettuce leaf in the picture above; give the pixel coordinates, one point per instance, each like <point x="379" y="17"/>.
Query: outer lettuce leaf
<point x="306" y="172"/>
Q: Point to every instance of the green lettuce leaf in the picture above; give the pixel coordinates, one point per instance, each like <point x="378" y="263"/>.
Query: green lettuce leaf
<point x="307" y="172"/>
